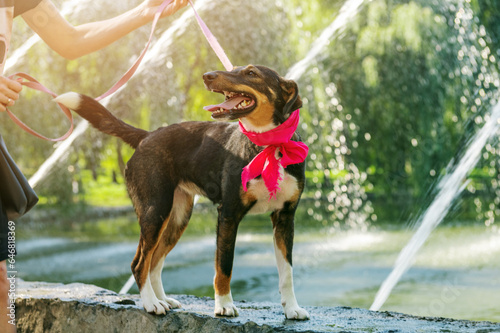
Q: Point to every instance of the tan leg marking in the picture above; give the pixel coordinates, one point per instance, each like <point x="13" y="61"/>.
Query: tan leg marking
<point x="179" y="218"/>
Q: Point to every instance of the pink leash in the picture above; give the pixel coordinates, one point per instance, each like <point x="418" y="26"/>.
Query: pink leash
<point x="30" y="82"/>
<point x="212" y="41"/>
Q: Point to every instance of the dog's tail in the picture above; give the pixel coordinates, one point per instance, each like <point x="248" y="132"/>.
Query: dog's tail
<point x="101" y="118"/>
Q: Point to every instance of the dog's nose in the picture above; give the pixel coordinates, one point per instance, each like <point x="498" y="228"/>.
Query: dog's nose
<point x="210" y="76"/>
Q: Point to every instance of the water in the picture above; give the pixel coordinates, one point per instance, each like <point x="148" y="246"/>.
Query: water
<point x="340" y="269"/>
<point x="449" y="187"/>
<point x="349" y="9"/>
<point x="156" y="54"/>
<point x="163" y="43"/>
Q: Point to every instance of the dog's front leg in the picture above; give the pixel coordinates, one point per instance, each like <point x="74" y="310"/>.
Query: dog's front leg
<point x="227" y="228"/>
<point x="283" y="224"/>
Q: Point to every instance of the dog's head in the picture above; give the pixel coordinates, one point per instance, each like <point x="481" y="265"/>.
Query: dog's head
<point x="256" y="94"/>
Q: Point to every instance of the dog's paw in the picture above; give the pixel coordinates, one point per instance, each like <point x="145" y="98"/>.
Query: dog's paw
<point x="156" y="306"/>
<point x="224" y="306"/>
<point x="173" y="303"/>
<point x="296" y="313"/>
<point x="228" y="310"/>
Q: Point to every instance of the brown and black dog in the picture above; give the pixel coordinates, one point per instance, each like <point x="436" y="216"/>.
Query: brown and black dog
<point x="172" y="164"/>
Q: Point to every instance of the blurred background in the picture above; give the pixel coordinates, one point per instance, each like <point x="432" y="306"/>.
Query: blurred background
<point x="390" y="103"/>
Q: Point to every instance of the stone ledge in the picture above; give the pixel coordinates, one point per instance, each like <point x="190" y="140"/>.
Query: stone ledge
<point x="50" y="307"/>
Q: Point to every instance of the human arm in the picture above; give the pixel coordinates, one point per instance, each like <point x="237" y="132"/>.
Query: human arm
<point x="72" y="42"/>
<point x="9" y="92"/>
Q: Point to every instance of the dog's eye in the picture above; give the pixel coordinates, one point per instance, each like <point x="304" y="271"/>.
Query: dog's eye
<point x="251" y="73"/>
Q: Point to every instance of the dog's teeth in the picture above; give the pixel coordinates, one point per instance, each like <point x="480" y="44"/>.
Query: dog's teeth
<point x="243" y="104"/>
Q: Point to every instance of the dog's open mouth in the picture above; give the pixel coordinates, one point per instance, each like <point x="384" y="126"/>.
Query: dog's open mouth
<point x="235" y="105"/>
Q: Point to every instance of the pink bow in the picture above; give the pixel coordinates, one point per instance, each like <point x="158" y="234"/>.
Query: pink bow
<point x="266" y="163"/>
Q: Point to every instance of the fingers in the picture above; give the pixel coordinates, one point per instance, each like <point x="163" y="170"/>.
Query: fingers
<point x="9" y="92"/>
<point x="178" y="4"/>
<point x="174" y="6"/>
<point x="10" y="84"/>
<point x="4" y="106"/>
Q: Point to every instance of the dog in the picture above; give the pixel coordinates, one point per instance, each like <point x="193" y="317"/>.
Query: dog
<point x="173" y="164"/>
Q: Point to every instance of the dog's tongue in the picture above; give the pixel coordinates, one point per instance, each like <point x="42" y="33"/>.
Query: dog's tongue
<point x="226" y="105"/>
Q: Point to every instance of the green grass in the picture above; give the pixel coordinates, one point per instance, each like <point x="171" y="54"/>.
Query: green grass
<point x="104" y="192"/>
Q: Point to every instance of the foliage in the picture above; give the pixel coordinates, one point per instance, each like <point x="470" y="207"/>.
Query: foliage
<point x="387" y="105"/>
<point x="404" y="82"/>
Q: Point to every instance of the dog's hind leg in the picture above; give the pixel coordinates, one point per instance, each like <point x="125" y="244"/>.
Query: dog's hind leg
<point x="178" y="221"/>
<point x="283" y="226"/>
<point x="154" y="214"/>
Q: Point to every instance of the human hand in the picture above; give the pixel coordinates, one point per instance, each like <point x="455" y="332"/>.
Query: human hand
<point x="150" y="7"/>
<point x="9" y="92"/>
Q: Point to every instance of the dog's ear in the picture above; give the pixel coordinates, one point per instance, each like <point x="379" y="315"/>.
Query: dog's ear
<point x="291" y="96"/>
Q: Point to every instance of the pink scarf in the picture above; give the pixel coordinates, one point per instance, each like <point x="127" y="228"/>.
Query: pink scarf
<point x="266" y="163"/>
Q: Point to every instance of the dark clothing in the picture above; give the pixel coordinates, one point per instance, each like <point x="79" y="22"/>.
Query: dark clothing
<point x="4" y="232"/>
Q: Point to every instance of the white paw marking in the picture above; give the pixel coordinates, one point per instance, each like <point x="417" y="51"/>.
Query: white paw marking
<point x="160" y="307"/>
<point x="156" y="306"/>
<point x="288" y="300"/>
<point x="174" y="304"/>
<point x="152" y="304"/>
<point x="296" y="313"/>
<point x="224" y="306"/>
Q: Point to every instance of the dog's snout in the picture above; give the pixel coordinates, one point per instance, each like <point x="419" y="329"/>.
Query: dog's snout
<point x="210" y="76"/>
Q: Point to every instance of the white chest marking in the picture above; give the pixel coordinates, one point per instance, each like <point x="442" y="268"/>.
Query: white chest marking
<point x="257" y="188"/>
<point x="257" y="129"/>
